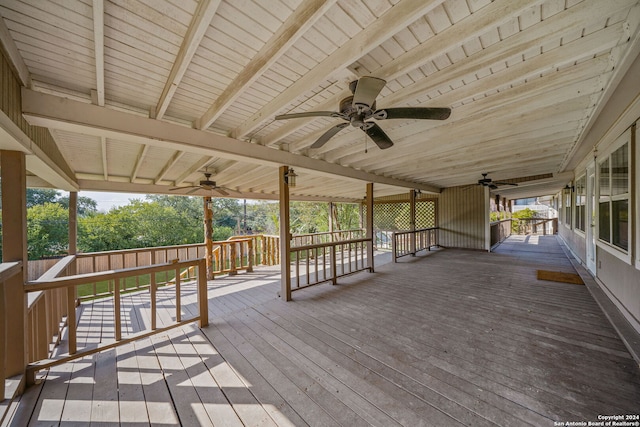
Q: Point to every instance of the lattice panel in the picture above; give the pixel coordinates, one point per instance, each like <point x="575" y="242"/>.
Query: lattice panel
<point x="397" y="216"/>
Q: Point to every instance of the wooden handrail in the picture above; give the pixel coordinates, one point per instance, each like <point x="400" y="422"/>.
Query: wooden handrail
<point x="350" y="252"/>
<point x="410" y="242"/>
<point x="7" y="271"/>
<point x="69" y="282"/>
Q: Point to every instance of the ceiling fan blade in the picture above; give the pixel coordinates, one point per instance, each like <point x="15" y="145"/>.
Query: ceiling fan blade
<point x="413" y="113"/>
<point x="367" y="89"/>
<point x="193" y="190"/>
<point x="328" y="135"/>
<point x="220" y="191"/>
<point x="505" y="183"/>
<point x="183" y="188"/>
<point x="378" y="136"/>
<point x="493" y="186"/>
<point x="309" y="114"/>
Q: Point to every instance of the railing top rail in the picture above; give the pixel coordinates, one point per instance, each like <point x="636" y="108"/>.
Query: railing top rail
<point x="64" y="282"/>
<point x="134" y="250"/>
<point x="328" y="244"/>
<point x="327" y="232"/>
<point x="415" y="231"/>
<point x="501" y="221"/>
<point x="58" y="268"/>
<point x="9" y="269"/>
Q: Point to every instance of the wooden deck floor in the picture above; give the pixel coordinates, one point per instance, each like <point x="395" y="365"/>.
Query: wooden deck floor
<point x="451" y="338"/>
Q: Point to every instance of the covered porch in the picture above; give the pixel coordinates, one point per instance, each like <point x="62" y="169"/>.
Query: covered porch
<point x="451" y="337"/>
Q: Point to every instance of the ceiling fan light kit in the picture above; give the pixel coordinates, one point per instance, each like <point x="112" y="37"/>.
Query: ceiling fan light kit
<point x="205" y="184"/>
<point x="360" y="107"/>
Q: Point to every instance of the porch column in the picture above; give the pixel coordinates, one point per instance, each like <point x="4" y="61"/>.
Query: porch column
<point x="412" y="220"/>
<point x="73" y="229"/>
<point x="208" y="237"/>
<point x="14" y="248"/>
<point x="369" y="235"/>
<point x="285" y="236"/>
<point x="331" y="224"/>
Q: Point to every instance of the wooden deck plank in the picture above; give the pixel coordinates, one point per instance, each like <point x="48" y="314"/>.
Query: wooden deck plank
<point x="451" y="336"/>
<point x="131" y="404"/>
<point x="185" y="399"/>
<point x="480" y="346"/>
<point x="215" y="402"/>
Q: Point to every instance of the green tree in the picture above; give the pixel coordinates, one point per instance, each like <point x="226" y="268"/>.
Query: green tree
<point x="47" y="230"/>
<point x="39" y="196"/>
<point x="85" y="205"/>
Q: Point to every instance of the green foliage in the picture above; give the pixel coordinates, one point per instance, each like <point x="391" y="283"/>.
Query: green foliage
<point x="85" y="205"/>
<point x="47" y="230"/>
<point x="37" y="196"/>
<point x="525" y="213"/>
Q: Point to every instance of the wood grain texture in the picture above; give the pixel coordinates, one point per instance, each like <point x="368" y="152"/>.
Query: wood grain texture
<point x="448" y="338"/>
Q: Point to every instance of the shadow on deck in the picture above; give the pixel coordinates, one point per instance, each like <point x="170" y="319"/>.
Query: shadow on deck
<point x="449" y="338"/>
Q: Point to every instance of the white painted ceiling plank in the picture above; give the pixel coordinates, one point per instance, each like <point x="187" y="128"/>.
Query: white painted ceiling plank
<point x="294" y="27"/>
<point x="396" y="18"/>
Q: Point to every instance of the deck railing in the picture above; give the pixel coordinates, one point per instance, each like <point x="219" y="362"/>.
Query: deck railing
<point x="542" y="226"/>
<point x="405" y="243"/>
<point x="500" y="230"/>
<point x="8" y="270"/>
<point x="229" y="257"/>
<point x="68" y="283"/>
<point x="298" y="240"/>
<point x="325" y="262"/>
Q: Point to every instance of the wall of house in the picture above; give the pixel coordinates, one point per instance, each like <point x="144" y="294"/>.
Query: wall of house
<point x="463" y="217"/>
<point x="617" y="270"/>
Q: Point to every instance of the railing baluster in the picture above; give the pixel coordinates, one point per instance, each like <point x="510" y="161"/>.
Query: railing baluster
<point x="178" y="295"/>
<point x="116" y="310"/>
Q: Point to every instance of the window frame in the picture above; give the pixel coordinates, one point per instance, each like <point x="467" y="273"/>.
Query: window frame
<point x="610" y="247"/>
<point x="580" y="183"/>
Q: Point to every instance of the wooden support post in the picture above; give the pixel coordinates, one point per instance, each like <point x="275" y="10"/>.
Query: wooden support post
<point x="203" y="302"/>
<point x="208" y="237"/>
<point x="71" y="319"/>
<point x="285" y="237"/>
<point x="369" y="221"/>
<point x="14" y="248"/>
<point x="331" y="216"/>
<point x="412" y="221"/>
<point x="3" y="340"/>
<point x="233" y="255"/>
<point x="250" y="255"/>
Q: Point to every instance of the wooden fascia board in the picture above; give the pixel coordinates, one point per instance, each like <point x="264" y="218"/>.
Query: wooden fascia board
<point x="54" y="112"/>
<point x="293" y="28"/>
<point x="395" y="19"/>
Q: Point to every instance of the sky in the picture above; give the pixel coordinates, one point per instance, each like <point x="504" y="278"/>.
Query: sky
<point x="106" y="201"/>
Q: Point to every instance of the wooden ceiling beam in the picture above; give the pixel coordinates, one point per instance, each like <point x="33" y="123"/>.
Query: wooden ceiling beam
<point x="55" y="112"/>
<point x="98" y="42"/>
<point x="200" y="22"/>
<point x="139" y="160"/>
<point x="297" y="24"/>
<point x="204" y="161"/>
<point x="167" y="167"/>
<point x="391" y="22"/>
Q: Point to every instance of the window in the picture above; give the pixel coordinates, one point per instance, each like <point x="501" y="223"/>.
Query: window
<point x="613" y="204"/>
<point x="580" y="202"/>
<point x="566" y="203"/>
